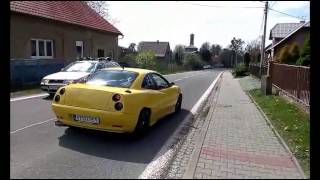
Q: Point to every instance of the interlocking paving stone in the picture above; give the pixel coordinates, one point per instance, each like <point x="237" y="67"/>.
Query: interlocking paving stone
<point x="238" y="143"/>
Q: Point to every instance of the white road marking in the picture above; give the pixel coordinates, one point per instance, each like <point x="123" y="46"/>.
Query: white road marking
<point x="161" y="160"/>
<point x="184" y="78"/>
<point x="28" y="97"/>
<point x="32" y="125"/>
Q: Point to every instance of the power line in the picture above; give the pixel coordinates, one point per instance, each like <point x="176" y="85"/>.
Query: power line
<point x="287" y="14"/>
<point x="273" y="4"/>
<point x="216" y="6"/>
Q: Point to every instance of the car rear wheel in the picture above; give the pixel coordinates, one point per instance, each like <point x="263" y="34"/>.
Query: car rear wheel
<point x="178" y="104"/>
<point x="143" y="122"/>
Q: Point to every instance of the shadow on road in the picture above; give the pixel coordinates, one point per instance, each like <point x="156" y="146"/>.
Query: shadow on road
<point x="122" y="147"/>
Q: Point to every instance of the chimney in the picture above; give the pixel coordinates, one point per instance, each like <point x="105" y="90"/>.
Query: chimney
<point x="191" y="39"/>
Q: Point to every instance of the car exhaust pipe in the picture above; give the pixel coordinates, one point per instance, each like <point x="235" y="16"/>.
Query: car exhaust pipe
<point x="59" y="123"/>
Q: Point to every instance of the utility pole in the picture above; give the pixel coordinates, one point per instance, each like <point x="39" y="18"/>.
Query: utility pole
<point x="263" y="36"/>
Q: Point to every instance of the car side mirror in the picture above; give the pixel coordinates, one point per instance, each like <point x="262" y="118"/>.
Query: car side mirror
<point x="171" y="84"/>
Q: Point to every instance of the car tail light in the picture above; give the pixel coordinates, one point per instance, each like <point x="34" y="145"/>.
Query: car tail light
<point x="116" y="97"/>
<point x="118" y="106"/>
<point x="62" y="91"/>
<point x="57" y="98"/>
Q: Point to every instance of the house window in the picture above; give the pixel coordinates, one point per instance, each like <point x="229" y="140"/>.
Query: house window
<point x="100" y="53"/>
<point x="79" y="49"/>
<point x="41" y="48"/>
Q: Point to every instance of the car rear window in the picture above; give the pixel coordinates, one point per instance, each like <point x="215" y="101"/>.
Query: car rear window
<point x="113" y="78"/>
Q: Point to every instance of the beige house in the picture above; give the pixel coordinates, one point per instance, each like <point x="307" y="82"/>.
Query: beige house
<point x="63" y="30"/>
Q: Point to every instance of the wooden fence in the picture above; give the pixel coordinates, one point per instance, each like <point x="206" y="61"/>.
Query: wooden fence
<point x="294" y="80"/>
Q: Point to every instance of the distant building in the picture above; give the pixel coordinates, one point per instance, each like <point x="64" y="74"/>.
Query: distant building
<point x="191" y="48"/>
<point x="161" y="49"/>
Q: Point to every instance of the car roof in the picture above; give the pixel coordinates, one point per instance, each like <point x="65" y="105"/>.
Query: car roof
<point x="138" y="70"/>
<point x="95" y="61"/>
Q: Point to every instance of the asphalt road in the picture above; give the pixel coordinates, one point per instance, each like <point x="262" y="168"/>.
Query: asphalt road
<point x="41" y="150"/>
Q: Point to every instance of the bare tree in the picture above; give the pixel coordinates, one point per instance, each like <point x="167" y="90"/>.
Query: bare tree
<point x="237" y="47"/>
<point x="102" y="8"/>
<point x="253" y="48"/>
<point x="205" y="52"/>
<point x="215" y="49"/>
<point x="179" y="54"/>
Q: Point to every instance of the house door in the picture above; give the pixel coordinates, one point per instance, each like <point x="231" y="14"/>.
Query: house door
<point x="79" y="49"/>
<point x="100" y="53"/>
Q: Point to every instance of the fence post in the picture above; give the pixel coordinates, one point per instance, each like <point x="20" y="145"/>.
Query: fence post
<point x="297" y="81"/>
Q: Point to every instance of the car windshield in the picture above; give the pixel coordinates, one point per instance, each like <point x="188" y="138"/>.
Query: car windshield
<point x="114" y="78"/>
<point x="80" y="67"/>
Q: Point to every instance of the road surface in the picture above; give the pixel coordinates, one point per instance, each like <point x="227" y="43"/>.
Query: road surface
<point x="41" y="150"/>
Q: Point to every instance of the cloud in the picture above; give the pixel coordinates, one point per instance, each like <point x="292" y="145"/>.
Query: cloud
<point x="175" y="21"/>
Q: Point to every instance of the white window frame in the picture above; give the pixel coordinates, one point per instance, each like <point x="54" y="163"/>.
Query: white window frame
<point x="45" y="49"/>
<point x="81" y="48"/>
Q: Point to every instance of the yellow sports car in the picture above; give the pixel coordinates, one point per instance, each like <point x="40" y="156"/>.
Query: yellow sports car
<point x="117" y="100"/>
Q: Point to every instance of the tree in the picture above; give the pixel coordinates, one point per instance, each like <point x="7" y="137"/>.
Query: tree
<point x="145" y="59"/>
<point x="226" y="57"/>
<point x="247" y="59"/>
<point x="283" y="55"/>
<point x="304" y="59"/>
<point x="236" y="46"/>
<point x="129" y="58"/>
<point x="205" y="52"/>
<point x="132" y="47"/>
<point x="294" y="54"/>
<point x="215" y="49"/>
<point x="102" y="8"/>
<point x="178" y="54"/>
<point x="253" y="48"/>
<point x="193" y="61"/>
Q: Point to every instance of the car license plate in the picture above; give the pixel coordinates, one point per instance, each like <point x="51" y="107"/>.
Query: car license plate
<point x="89" y="119"/>
<point x="53" y="87"/>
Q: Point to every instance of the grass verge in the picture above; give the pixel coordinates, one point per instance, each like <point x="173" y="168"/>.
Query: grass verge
<point x="291" y="123"/>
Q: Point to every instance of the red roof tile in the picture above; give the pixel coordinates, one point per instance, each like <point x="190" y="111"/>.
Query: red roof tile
<point x="73" y="12"/>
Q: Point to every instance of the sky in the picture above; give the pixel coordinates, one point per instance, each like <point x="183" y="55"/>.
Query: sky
<point x="174" y="21"/>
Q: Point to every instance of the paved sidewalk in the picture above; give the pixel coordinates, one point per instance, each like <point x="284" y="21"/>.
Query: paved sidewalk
<point x="234" y="141"/>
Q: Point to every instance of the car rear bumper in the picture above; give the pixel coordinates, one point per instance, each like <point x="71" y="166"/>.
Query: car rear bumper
<point x="109" y="121"/>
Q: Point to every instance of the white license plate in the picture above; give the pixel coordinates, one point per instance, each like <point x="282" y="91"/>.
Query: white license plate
<point x="53" y="87"/>
<point x="89" y="119"/>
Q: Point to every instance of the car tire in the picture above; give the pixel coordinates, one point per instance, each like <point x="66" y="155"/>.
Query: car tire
<point x="178" y="104"/>
<point x="51" y="95"/>
<point x="143" y="122"/>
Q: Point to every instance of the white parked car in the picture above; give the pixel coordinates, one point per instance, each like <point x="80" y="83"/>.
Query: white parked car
<point x="73" y="73"/>
<point x="207" y="67"/>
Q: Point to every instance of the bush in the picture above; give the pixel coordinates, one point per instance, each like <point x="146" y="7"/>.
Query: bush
<point x="304" y="59"/>
<point x="240" y="70"/>
<point x="284" y="55"/>
<point x="294" y="54"/>
<point x="145" y="60"/>
<point x="193" y="61"/>
<point x="129" y="59"/>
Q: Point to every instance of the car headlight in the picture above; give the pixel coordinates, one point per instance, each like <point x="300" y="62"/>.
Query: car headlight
<point x="45" y="81"/>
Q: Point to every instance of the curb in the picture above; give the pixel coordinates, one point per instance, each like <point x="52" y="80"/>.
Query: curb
<point x="278" y="136"/>
<point x="157" y="167"/>
<point x="192" y="165"/>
